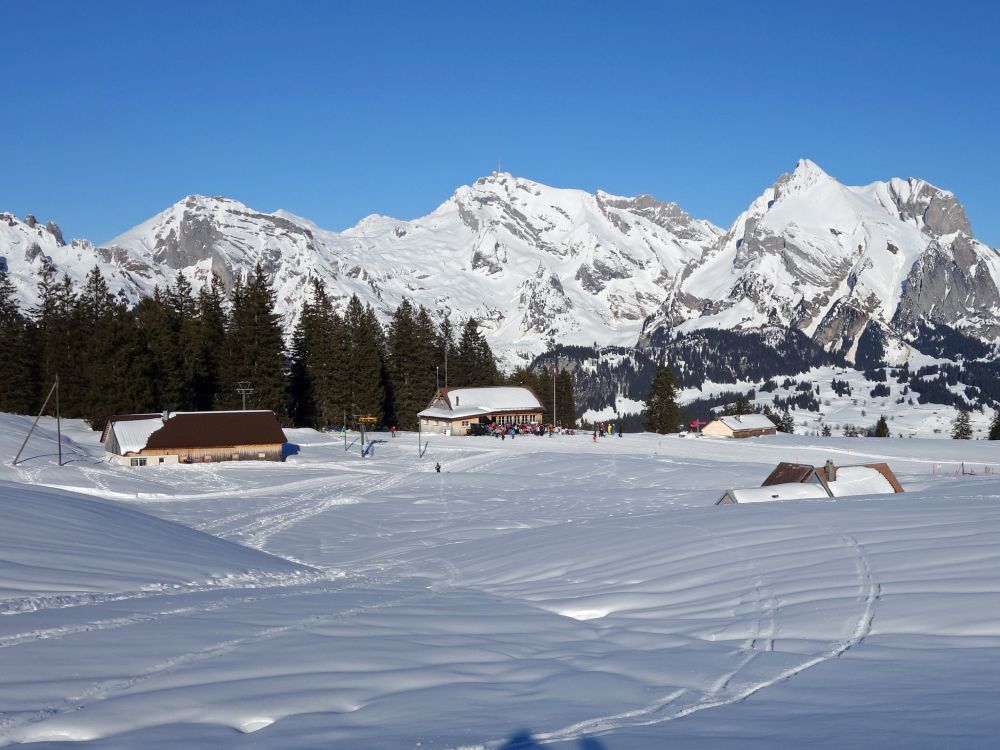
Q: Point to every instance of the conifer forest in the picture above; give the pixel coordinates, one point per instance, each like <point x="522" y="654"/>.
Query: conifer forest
<point x="184" y="351"/>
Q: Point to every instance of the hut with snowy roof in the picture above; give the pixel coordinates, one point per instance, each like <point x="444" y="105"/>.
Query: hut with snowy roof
<point x="194" y="437"/>
<point x="454" y="411"/>
<point x="740" y="426"/>
<point x="791" y="481"/>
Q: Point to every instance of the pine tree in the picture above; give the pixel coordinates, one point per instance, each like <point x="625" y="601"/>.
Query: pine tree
<point x="410" y="363"/>
<point x="254" y="347"/>
<point x="17" y="392"/>
<point x="881" y="427"/>
<point x="424" y="367"/>
<point x="995" y="426"/>
<point x="113" y="352"/>
<point x="320" y="386"/>
<point x="182" y="310"/>
<point x="58" y="338"/>
<point x="826" y="432"/>
<point x="301" y="399"/>
<point x="565" y="399"/>
<point x="787" y="423"/>
<point x="366" y="360"/>
<point x="474" y="363"/>
<point x="154" y="320"/>
<point x="662" y="413"/>
<point x="445" y="350"/>
<point x="94" y="311"/>
<point x="961" y="426"/>
<point x="210" y="337"/>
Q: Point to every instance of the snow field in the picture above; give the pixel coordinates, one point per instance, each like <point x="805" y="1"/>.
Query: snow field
<point x="580" y="592"/>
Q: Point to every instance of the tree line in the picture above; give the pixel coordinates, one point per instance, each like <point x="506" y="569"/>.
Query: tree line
<point x="179" y="350"/>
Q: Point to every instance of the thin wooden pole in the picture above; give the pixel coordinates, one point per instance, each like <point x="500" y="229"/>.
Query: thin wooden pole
<point x="58" y="422"/>
<point x="35" y="423"/>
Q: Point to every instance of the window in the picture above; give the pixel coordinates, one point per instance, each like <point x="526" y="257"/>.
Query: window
<point x="161" y="459"/>
<point x="138" y="462"/>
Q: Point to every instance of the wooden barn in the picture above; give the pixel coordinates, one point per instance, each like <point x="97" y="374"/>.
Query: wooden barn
<point x="740" y="426"/>
<point x="194" y="437"/>
<point x="453" y="411"/>
<point x="791" y="481"/>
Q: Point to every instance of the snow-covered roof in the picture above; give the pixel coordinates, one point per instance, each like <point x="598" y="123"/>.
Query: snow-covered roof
<point x="493" y="398"/>
<point x="476" y="402"/>
<point x="748" y="422"/>
<point x="439" y="413"/>
<point x="792" y="491"/>
<point x="132" y="435"/>
<point x="860" y="480"/>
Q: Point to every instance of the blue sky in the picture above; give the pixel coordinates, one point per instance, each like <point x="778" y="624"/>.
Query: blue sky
<point x="111" y="111"/>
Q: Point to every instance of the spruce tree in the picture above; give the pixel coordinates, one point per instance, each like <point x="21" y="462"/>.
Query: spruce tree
<point x="445" y="352"/>
<point x="318" y="377"/>
<point x="365" y="363"/>
<point x="58" y="338"/>
<point x="18" y="393"/>
<point x="154" y="320"/>
<point x="995" y="426"/>
<point x="183" y="323"/>
<point x="662" y="413"/>
<point x="410" y="363"/>
<point x="424" y="368"/>
<point x="474" y="363"/>
<point x="113" y="352"/>
<point x="210" y="337"/>
<point x="881" y="427"/>
<point x="961" y="426"/>
<point x="826" y="432"/>
<point x="787" y="423"/>
<point x="254" y="348"/>
<point x="565" y="399"/>
<point x="301" y="401"/>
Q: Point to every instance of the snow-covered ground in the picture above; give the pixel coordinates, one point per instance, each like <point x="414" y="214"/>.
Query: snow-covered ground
<point x="541" y="591"/>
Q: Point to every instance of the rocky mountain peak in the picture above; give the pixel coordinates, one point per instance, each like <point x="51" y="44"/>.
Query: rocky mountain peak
<point x="937" y="212"/>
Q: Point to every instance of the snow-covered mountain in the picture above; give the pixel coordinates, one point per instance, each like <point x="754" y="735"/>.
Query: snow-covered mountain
<point x="830" y="260"/>
<point x="539" y="265"/>
<point x="535" y="264"/>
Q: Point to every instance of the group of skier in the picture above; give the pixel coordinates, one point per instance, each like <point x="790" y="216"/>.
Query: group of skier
<point x="606" y="428"/>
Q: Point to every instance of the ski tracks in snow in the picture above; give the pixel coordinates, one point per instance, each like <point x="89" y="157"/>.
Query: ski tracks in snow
<point x="720" y="693"/>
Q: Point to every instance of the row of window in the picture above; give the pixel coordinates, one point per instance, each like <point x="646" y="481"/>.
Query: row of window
<point x="514" y="418"/>
<point x="142" y="461"/>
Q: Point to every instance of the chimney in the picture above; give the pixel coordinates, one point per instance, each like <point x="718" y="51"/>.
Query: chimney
<point x="456" y="400"/>
<point x="166" y="414"/>
<point x="831" y="471"/>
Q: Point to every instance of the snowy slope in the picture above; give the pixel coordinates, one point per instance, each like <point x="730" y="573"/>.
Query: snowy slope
<point x="541" y="590"/>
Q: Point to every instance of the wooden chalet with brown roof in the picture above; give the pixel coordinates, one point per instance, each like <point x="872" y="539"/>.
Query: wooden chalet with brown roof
<point x="194" y="437"/>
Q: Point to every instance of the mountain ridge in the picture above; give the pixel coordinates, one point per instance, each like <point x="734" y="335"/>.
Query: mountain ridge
<point x="540" y="265"/>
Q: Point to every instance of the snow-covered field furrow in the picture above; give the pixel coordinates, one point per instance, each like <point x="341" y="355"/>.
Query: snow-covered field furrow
<point x="561" y="592"/>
